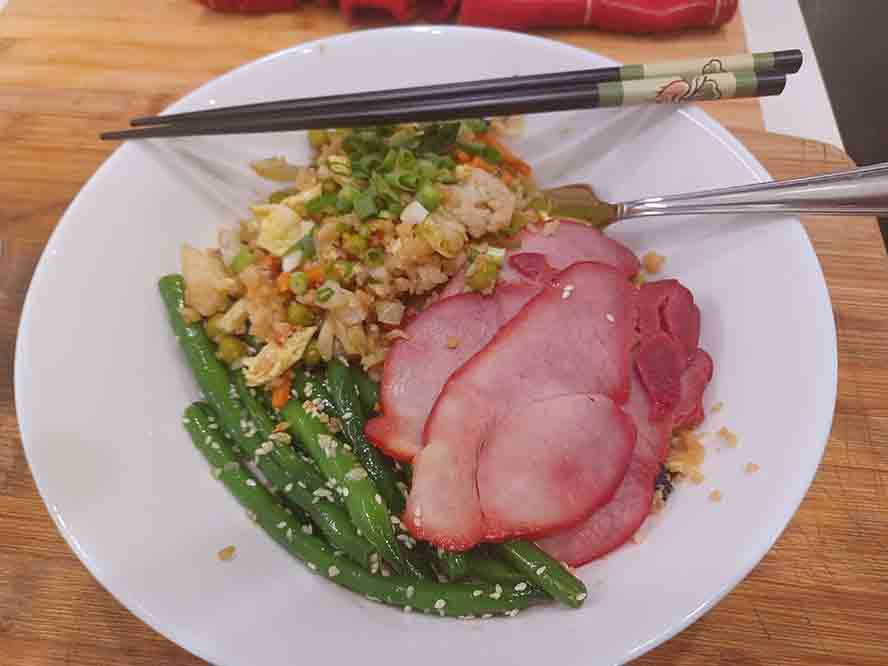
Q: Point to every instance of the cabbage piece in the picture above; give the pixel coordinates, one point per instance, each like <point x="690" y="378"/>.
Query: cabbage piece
<point x="444" y="233"/>
<point x="275" y="359"/>
<point x="279" y="169"/>
<point x="279" y="228"/>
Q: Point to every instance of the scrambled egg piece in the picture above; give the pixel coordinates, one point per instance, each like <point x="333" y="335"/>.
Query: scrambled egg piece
<point x="275" y="359"/>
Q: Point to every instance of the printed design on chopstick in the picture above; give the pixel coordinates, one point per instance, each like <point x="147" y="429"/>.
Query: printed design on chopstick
<point x="714" y="66"/>
<point x="700" y="88"/>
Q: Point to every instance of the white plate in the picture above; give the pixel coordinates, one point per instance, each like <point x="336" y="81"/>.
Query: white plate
<point x="100" y="383"/>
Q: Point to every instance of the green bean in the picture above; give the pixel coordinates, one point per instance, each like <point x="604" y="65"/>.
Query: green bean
<point x="212" y="376"/>
<point x="368" y="390"/>
<point x="454" y="565"/>
<point x="458" y="600"/>
<point x="336" y="460"/>
<point x="483" y="566"/>
<point x="343" y="391"/>
<point x="543" y="571"/>
<point x="221" y="392"/>
<point x="302" y="494"/>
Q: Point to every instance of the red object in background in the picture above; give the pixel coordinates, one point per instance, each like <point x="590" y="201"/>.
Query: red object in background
<point x="637" y="16"/>
<point x="250" y="6"/>
<point x="634" y="16"/>
<point x="402" y="11"/>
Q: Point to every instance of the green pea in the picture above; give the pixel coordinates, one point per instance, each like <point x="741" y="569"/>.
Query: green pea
<point x="230" y="349"/>
<point x="299" y="283"/>
<point x="429" y="196"/>
<point x="330" y="187"/>
<point x="354" y="244"/>
<point x="243" y="259"/>
<point x="318" y="138"/>
<point x="301" y="315"/>
<point x="312" y="355"/>
<point x="484" y="275"/>
<point x="212" y="327"/>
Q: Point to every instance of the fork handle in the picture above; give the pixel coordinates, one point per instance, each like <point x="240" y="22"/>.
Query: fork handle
<point x="861" y="191"/>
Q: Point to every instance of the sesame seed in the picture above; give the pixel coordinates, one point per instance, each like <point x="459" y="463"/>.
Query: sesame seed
<point x="288" y="487"/>
<point x="333" y="571"/>
<point x="520" y="587"/>
<point x="486" y="616"/>
<point x="477" y="593"/>
<point x="409" y="591"/>
<point x="289" y="534"/>
<point x="440" y="604"/>
<point x="581" y="596"/>
<point x="541" y="571"/>
<point x="609" y="317"/>
<point x="281" y="525"/>
<point x="251" y="483"/>
<point x="312" y="566"/>
<point x="338" y="553"/>
<point x="251" y="515"/>
<point x="307" y="529"/>
<point x="217" y="472"/>
<point x="497" y="592"/>
<point x="408" y="609"/>
<point x="302" y="485"/>
<point x="567" y="291"/>
<point x="378" y="498"/>
<point x="511" y="613"/>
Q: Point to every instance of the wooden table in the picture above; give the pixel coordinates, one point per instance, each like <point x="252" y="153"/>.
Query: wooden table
<point x="68" y="70"/>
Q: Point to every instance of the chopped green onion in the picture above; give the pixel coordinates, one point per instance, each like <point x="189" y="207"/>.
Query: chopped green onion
<point x="280" y="195"/>
<point x="517" y="223"/>
<point x="340" y="165"/>
<point x="318" y="138"/>
<point x="374" y="257"/>
<point x="477" y="125"/>
<point x="299" y="283"/>
<point x="243" y="259"/>
<point x="325" y="203"/>
<point x="306" y="245"/>
<point x="389" y="162"/>
<point x="427" y="169"/>
<point x="498" y="254"/>
<point x="365" y="205"/>
<point x="364" y="230"/>
<point x="429" y="196"/>
<point x="406" y="160"/>
<point x="301" y="315"/>
<point x="402" y="137"/>
<point x="343" y="270"/>
<point x="324" y="294"/>
<point x="354" y="244"/>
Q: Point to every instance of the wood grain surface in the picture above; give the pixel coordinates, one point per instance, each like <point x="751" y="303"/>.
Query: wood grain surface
<point x="71" y="69"/>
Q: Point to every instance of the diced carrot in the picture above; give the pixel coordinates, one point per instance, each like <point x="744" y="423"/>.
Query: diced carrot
<point x="281" y="393"/>
<point x="316" y="274"/>
<point x="483" y="164"/>
<point x="283" y="282"/>
<point x="507" y="177"/>
<point x="271" y="262"/>
<point x="510" y="158"/>
<point x="462" y="157"/>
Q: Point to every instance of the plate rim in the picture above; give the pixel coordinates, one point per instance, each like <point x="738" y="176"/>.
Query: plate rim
<point x="698" y="116"/>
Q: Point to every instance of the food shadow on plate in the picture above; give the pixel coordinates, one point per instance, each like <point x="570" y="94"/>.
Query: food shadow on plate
<point x="580" y="138"/>
<point x="222" y="176"/>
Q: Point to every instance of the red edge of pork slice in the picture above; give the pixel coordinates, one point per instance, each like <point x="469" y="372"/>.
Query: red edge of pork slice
<point x="666" y="308"/>
<point x="445" y="506"/>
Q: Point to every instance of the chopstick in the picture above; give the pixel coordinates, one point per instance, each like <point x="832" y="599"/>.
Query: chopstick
<point x="756" y="76"/>
<point x="777" y="62"/>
